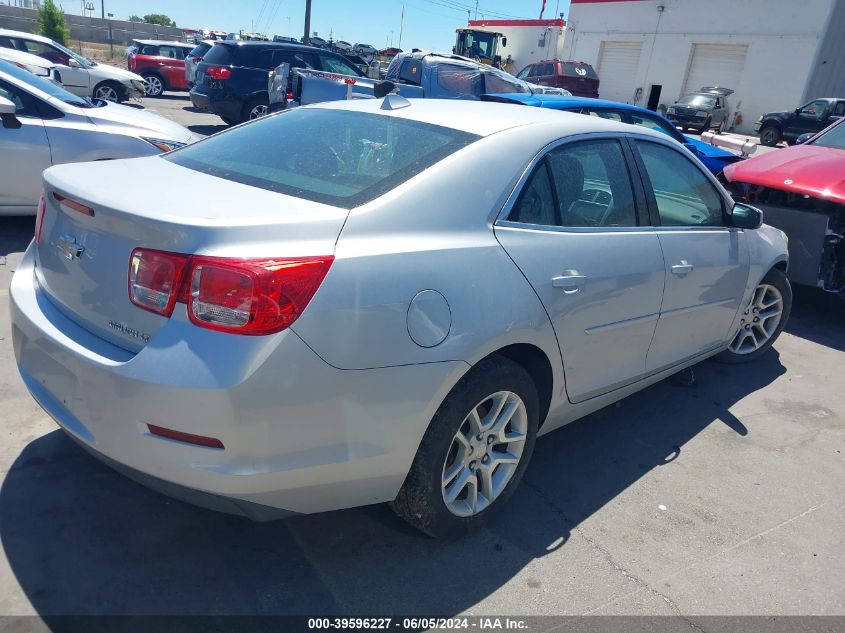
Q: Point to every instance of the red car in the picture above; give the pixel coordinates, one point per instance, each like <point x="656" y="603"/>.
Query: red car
<point x="579" y="78"/>
<point x="161" y="64"/>
<point x="801" y="190"/>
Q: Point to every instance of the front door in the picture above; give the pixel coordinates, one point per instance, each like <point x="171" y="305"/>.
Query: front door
<point x="20" y="177"/>
<point x="810" y="118"/>
<point x="707" y="263"/>
<point x="576" y="233"/>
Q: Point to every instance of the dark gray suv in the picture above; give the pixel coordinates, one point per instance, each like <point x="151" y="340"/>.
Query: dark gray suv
<point x="701" y="110"/>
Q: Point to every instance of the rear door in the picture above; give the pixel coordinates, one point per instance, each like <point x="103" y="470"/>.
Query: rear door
<point x="580" y="233"/>
<point x="171" y="62"/>
<point x="707" y="262"/>
<point x="20" y="178"/>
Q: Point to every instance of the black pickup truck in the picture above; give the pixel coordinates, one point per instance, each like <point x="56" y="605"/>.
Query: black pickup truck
<point x="813" y="117"/>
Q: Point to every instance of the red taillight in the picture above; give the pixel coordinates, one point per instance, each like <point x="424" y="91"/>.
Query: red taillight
<point x="132" y="61"/>
<point x="39" y="219"/>
<point x="218" y="73"/>
<point x="73" y="205"/>
<point x="189" y="438"/>
<point x="155" y="278"/>
<point x="242" y="296"/>
<point x="252" y="296"/>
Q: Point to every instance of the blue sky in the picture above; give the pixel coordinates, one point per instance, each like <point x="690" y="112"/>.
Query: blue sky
<point x="428" y="23"/>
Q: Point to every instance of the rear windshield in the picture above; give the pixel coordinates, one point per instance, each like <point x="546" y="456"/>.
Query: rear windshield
<point x="336" y="157"/>
<point x="579" y="70"/>
<point x="199" y="50"/>
<point x="834" y="137"/>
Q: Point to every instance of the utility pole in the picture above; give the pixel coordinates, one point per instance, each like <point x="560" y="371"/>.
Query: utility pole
<point x="103" y="9"/>
<point x="401" y="25"/>
<point x="306" y="38"/>
<point x="476" y="9"/>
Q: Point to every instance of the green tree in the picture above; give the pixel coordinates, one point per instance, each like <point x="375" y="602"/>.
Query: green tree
<point x="51" y="22"/>
<point x="135" y="18"/>
<point x="159" y="18"/>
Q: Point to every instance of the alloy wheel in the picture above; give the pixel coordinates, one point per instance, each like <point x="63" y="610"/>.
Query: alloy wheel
<point x="258" y="111"/>
<point x="153" y="86"/>
<point x="106" y="93"/>
<point x="759" y="321"/>
<point x="484" y="453"/>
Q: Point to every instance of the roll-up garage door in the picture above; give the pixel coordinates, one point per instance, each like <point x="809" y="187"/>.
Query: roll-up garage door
<point x="715" y="65"/>
<point x="618" y="64"/>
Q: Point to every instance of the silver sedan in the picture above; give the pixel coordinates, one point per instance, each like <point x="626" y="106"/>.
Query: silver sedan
<point x="380" y="301"/>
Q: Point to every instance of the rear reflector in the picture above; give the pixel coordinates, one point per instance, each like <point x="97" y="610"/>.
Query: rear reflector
<point x="73" y="205"/>
<point x="188" y="438"/>
<point x="154" y="278"/>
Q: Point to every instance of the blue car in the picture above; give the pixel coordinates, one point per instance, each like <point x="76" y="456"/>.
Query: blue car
<point x="714" y="158"/>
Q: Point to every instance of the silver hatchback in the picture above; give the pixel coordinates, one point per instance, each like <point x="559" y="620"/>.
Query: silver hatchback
<point x="380" y="301"/>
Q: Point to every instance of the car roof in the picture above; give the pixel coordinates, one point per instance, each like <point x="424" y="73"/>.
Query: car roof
<point x="165" y="42"/>
<point x="485" y="118"/>
<point x="24" y="34"/>
<point x="259" y="44"/>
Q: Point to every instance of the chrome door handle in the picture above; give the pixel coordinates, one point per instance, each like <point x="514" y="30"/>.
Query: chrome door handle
<point x="683" y="268"/>
<point x="570" y="282"/>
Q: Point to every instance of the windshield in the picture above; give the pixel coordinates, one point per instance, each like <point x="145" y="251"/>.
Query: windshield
<point x="84" y="61"/>
<point x="480" y="44"/>
<point x="331" y="156"/>
<point x="834" y="137"/>
<point x="697" y="101"/>
<point x="45" y="86"/>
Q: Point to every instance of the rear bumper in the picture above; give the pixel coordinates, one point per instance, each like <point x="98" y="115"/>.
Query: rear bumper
<point x="216" y="101"/>
<point x="299" y="435"/>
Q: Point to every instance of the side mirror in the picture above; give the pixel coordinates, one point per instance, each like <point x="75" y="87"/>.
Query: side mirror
<point x="7" y="114"/>
<point x="73" y="63"/>
<point x="744" y="216"/>
<point x="504" y="42"/>
<point x="804" y="138"/>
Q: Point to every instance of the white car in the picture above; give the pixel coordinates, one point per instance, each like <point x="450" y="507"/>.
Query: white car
<point x="29" y="62"/>
<point x="77" y="74"/>
<point x="44" y="125"/>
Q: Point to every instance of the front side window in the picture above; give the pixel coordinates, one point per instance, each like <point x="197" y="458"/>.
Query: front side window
<point x="814" y="110"/>
<point x="659" y="125"/>
<point x="25" y="104"/>
<point x="336" y="157"/>
<point x="685" y="196"/>
<point x="579" y="185"/>
<point x="296" y="60"/>
<point x="524" y="72"/>
<point x="833" y="137"/>
<point x="496" y="82"/>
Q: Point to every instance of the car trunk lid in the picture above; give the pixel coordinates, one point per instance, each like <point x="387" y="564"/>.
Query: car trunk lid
<point x="96" y="215"/>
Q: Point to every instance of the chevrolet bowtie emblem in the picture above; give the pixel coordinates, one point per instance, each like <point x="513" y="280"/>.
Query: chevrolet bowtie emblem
<point x="69" y="248"/>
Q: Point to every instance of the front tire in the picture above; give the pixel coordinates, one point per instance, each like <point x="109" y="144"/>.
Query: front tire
<point x="706" y="127"/>
<point x="474" y="453"/>
<point x="770" y="135"/>
<point x="762" y="320"/>
<point x="109" y="91"/>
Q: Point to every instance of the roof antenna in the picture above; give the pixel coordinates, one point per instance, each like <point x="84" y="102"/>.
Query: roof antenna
<point x="392" y="99"/>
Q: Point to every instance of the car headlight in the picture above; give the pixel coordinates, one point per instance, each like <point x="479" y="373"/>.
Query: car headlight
<point x="164" y="146"/>
<point x="701" y="113"/>
<point x="137" y="84"/>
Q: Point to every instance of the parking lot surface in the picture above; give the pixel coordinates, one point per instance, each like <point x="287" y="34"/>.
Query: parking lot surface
<point x="724" y="497"/>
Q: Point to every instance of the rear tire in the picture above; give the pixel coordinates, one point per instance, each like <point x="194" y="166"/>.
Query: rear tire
<point x="229" y="120"/>
<point x="770" y="135"/>
<point x="463" y="471"/>
<point x="255" y="108"/>
<point x="154" y="85"/>
<point x="762" y="321"/>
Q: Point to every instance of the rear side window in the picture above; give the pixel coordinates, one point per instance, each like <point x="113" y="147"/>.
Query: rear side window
<point x="199" y="50"/>
<point x="336" y="157"/>
<point x="171" y="52"/>
<point x="220" y="54"/>
<point x="296" y="59"/>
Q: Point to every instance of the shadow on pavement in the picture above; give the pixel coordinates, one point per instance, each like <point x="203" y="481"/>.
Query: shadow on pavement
<point x="16" y="233"/>
<point x="208" y="130"/>
<point x="82" y="539"/>
<point x="818" y="316"/>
